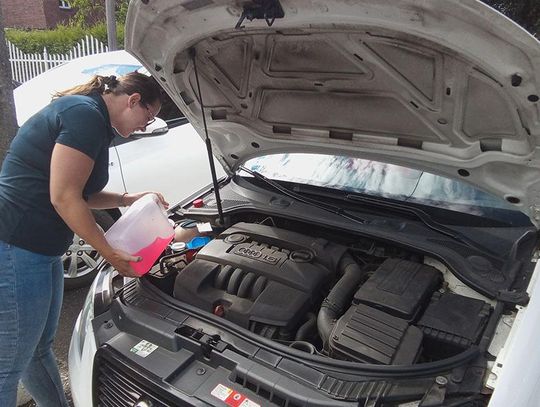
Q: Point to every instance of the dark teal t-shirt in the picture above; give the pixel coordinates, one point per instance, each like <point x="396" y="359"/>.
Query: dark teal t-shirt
<point x="27" y="217"/>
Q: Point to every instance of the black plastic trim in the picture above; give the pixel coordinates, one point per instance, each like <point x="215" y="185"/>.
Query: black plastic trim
<point x="379" y="371"/>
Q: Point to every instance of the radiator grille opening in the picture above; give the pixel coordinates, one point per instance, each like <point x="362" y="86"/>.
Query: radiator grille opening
<point x="116" y="385"/>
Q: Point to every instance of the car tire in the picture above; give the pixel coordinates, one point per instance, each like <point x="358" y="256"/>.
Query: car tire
<point x="81" y="260"/>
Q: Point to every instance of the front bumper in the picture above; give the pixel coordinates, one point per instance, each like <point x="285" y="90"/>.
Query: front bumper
<point x="80" y="361"/>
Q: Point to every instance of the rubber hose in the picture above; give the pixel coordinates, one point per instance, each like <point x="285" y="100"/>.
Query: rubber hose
<point x="306" y="328"/>
<point x="339" y="297"/>
<point x="304" y="347"/>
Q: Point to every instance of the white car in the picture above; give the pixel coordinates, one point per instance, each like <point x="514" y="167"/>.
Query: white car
<point x="376" y="240"/>
<point x="168" y="157"/>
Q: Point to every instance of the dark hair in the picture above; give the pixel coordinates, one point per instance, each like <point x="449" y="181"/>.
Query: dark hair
<point x="133" y="82"/>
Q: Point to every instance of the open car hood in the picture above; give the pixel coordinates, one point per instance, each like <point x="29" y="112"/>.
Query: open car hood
<point x="449" y="87"/>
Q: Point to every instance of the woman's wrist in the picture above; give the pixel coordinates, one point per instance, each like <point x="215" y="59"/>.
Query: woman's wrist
<point x="122" y="201"/>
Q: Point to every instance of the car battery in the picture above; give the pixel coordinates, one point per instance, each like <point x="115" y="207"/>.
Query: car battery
<point x="454" y="321"/>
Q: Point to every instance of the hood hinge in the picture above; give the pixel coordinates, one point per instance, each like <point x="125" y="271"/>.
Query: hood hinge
<point x="513" y="297"/>
<point x="535" y="212"/>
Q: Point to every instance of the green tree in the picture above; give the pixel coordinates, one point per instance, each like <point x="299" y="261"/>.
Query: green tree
<point x="121" y="10"/>
<point x="524" y="12"/>
<point x="90" y="12"/>
<point x="8" y="121"/>
<point x="87" y="12"/>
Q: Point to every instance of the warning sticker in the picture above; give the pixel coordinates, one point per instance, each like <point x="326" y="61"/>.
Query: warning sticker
<point x="231" y="397"/>
<point x="249" y="403"/>
<point x="221" y="392"/>
<point x="143" y="349"/>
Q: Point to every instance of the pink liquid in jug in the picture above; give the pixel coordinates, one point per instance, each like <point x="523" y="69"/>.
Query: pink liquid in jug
<point x="149" y="255"/>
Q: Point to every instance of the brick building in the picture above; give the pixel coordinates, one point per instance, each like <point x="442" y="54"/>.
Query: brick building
<point x="35" y="13"/>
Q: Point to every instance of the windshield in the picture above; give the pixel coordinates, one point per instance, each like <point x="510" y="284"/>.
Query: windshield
<point x="383" y="180"/>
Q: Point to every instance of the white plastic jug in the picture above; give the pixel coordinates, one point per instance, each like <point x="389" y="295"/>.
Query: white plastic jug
<point x="143" y="230"/>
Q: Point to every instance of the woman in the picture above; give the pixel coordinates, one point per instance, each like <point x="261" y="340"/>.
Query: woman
<point x="53" y="175"/>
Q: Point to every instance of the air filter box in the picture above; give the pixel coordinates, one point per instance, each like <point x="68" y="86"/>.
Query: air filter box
<point x="368" y="335"/>
<point x="399" y="288"/>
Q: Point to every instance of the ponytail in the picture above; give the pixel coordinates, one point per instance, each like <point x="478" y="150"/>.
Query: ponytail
<point x="128" y="84"/>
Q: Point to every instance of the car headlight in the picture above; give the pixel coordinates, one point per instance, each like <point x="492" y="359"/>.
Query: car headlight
<point x="86" y="316"/>
<point x="97" y="301"/>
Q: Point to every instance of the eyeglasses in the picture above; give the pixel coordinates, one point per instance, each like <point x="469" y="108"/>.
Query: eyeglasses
<point x="153" y="119"/>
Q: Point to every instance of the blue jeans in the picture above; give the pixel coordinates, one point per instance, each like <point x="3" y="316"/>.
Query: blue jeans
<point x="31" y="291"/>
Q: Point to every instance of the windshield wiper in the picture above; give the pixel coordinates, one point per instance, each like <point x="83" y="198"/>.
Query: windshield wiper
<point x="425" y="218"/>
<point x="297" y="197"/>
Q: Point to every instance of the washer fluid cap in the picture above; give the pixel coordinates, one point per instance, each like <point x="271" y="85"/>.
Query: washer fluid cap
<point x="198" y="242"/>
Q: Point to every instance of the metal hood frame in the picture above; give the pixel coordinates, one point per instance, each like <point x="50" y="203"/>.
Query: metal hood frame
<point x="450" y="87"/>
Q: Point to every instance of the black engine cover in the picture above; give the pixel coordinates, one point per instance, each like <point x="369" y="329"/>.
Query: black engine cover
<point x="260" y="277"/>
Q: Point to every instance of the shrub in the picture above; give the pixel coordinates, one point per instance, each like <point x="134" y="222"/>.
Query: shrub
<point x="60" y="39"/>
<point x="99" y="31"/>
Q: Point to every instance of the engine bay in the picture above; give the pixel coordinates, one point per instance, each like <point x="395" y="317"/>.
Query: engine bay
<point x="366" y="303"/>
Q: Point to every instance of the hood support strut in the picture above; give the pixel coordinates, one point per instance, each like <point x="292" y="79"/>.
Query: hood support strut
<point x="192" y="54"/>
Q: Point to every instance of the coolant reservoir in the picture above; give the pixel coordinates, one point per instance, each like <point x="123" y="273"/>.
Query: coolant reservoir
<point x="143" y="230"/>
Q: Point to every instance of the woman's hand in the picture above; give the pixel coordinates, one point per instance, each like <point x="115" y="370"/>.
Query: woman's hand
<point x="128" y="199"/>
<point x="120" y="261"/>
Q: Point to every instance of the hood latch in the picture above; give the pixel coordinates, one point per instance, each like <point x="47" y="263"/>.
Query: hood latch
<point x="268" y="10"/>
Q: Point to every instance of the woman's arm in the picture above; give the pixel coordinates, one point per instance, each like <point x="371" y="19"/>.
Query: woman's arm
<point x="70" y="170"/>
<point x="108" y="200"/>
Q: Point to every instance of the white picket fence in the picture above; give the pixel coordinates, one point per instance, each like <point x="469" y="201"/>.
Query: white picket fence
<point x="26" y="66"/>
